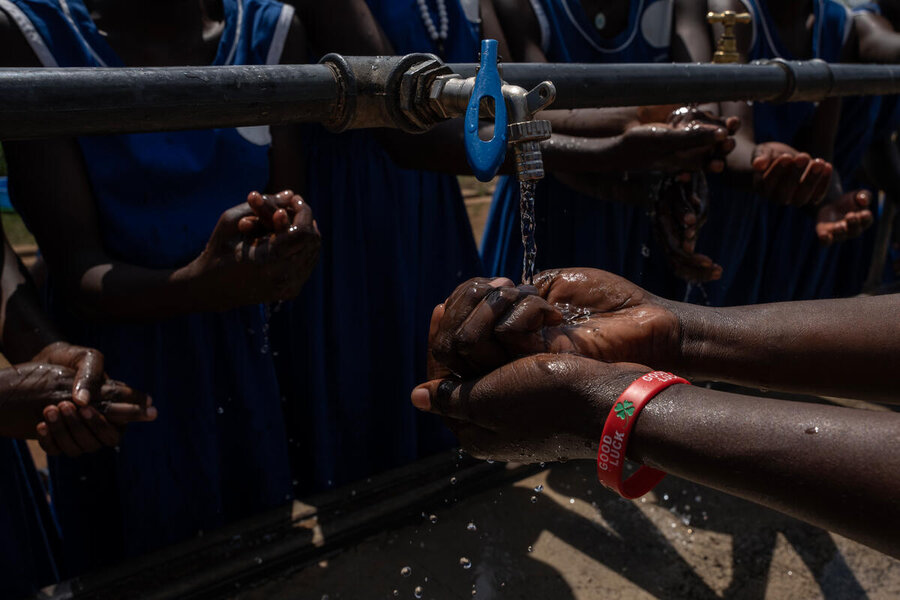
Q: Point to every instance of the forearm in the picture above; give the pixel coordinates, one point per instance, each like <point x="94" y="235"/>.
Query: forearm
<point x="591" y="122"/>
<point x="113" y="290"/>
<point x="25" y="328"/>
<point x="833" y="467"/>
<point x="573" y="154"/>
<point x="845" y="347"/>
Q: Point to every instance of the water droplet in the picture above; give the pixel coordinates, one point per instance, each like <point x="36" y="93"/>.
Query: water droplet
<point x="645" y="250"/>
<point x="453" y="481"/>
<point x="812" y="430"/>
<point x="220" y="410"/>
<point x="465" y="563"/>
<point x="396" y="593"/>
<point x="530" y="548"/>
<point x="665" y="496"/>
<point x="673" y="524"/>
<point x="490" y="461"/>
<point x="533" y="499"/>
<point x="258" y="560"/>
<point x="543" y="464"/>
<point x="405" y="571"/>
<point x="538" y="488"/>
<point x="433" y="519"/>
<point x="571" y="500"/>
<point x="419" y="591"/>
<point x="471" y="526"/>
<point x="790" y="573"/>
<point x="697" y="498"/>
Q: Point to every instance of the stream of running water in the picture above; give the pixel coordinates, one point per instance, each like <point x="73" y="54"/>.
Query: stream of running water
<point x="526" y="214"/>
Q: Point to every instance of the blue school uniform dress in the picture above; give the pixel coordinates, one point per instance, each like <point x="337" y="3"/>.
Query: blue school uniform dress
<point x="796" y="267"/>
<point x="864" y="119"/>
<point x="768" y="252"/>
<point x="573" y="229"/>
<point x="218" y="450"/>
<point x="396" y="242"/>
<point x="29" y="537"/>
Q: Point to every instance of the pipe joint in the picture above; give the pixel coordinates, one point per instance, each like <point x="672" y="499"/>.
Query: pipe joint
<point x="807" y="81"/>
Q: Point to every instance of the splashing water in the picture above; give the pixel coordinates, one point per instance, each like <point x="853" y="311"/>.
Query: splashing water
<point x="526" y="214"/>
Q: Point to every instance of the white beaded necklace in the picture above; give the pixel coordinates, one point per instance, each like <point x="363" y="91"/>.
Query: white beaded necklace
<point x="437" y="35"/>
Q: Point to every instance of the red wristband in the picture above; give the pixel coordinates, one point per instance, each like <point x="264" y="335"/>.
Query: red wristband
<point x="619" y="423"/>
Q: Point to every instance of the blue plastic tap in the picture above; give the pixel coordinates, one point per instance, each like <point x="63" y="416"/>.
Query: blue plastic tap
<point x="485" y="157"/>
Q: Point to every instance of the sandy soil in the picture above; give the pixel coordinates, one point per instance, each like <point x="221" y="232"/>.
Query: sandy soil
<point x="576" y="541"/>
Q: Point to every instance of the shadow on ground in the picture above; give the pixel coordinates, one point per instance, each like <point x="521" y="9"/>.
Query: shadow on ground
<point x="574" y="540"/>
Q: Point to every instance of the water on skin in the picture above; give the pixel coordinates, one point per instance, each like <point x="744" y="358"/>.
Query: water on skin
<point x="572" y="315"/>
<point x="526" y="214"/>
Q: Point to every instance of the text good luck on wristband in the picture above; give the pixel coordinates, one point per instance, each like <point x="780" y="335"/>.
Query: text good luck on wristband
<point x="619" y="423"/>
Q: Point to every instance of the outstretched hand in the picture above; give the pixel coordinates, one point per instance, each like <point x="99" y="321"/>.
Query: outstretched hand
<point x="541" y="408"/>
<point x="681" y="147"/>
<point x="845" y="218"/>
<point x="487" y="323"/>
<point x="786" y="176"/>
<point x="260" y="251"/>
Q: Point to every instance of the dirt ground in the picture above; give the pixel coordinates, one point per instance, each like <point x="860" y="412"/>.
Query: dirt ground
<point x="573" y="540"/>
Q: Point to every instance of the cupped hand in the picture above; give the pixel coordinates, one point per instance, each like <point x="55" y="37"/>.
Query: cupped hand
<point x="36" y="401"/>
<point x="541" y="408"/>
<point x="672" y="149"/>
<point x="692" y="117"/>
<point x="487" y="323"/>
<point x="784" y="175"/>
<point x="260" y="251"/>
<point x="845" y="218"/>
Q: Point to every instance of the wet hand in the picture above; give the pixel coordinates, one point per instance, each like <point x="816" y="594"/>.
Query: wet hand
<point x="786" y="176"/>
<point x="692" y="117"/>
<point x="88" y="366"/>
<point x="487" y="323"/>
<point x="544" y="407"/>
<point x="679" y="213"/>
<point x="844" y="218"/>
<point x="36" y="402"/>
<point x="261" y="251"/>
<point x="675" y="148"/>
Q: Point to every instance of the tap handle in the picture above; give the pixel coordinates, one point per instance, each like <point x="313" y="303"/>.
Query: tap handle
<point x="726" y="46"/>
<point x="485" y="157"/>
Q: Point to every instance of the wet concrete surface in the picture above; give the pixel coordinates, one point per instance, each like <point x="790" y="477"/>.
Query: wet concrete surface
<point x="574" y="540"/>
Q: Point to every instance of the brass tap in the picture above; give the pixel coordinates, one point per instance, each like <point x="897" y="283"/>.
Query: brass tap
<point x="726" y="47"/>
